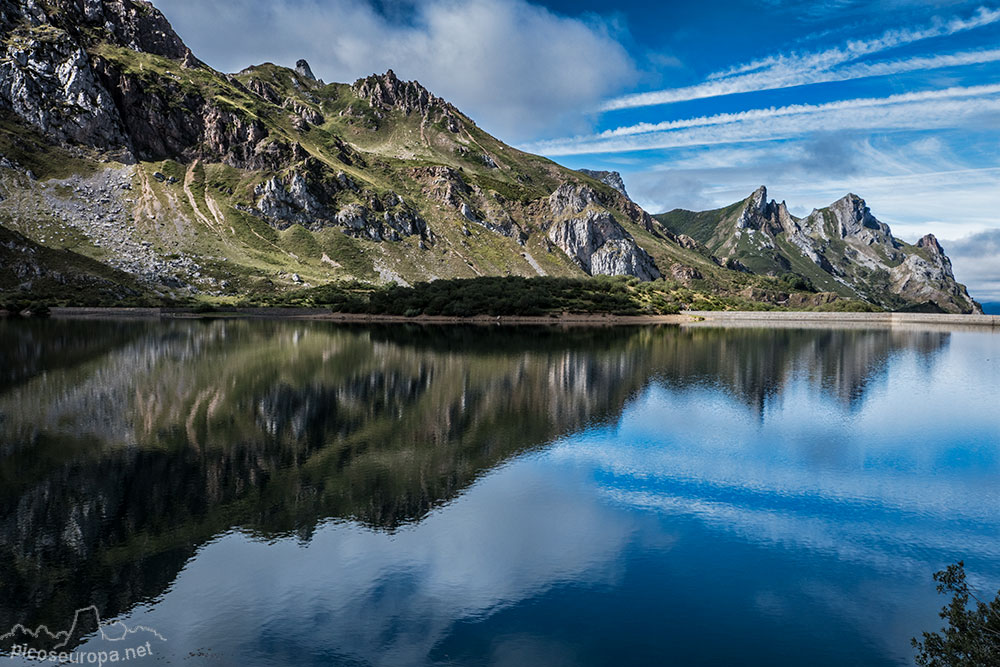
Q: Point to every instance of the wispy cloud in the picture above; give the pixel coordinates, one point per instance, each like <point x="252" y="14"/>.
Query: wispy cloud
<point x="797" y="69"/>
<point x="921" y="110"/>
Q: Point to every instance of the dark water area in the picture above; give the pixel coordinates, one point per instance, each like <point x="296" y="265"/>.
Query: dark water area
<point x="276" y="492"/>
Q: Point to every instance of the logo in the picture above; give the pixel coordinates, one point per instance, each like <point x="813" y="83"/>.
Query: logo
<point x="122" y="642"/>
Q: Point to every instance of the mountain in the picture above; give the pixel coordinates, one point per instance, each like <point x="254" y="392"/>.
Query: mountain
<point x="841" y="248"/>
<point x="120" y="147"/>
<point x="187" y="176"/>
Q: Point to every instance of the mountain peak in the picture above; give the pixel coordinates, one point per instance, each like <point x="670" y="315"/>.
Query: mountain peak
<point x="930" y="242"/>
<point x="387" y="92"/>
<point x="851" y="209"/>
<point x="758" y="200"/>
<point x="852" y="199"/>
<point x="136" y="24"/>
<point x="756" y="211"/>
<point x="303" y="69"/>
<point x="610" y="178"/>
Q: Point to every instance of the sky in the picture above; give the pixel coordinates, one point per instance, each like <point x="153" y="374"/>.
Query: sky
<point x="695" y="103"/>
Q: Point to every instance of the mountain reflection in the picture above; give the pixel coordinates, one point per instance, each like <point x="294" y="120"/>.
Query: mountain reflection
<point x="124" y="446"/>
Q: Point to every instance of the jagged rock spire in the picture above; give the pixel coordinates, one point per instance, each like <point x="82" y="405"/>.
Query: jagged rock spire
<point x="930" y="242"/>
<point x="303" y="69"/>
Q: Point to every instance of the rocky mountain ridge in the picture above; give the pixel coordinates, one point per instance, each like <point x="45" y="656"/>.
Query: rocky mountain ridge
<point x="842" y="247"/>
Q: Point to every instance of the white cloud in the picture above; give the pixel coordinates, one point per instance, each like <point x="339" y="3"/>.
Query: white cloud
<point x="516" y="68"/>
<point x="932" y="109"/>
<point x="976" y="260"/>
<point x="796" y="69"/>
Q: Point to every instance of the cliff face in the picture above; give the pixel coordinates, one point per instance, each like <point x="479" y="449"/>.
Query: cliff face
<point x="593" y="237"/>
<point x="842" y="248"/>
<point x="52" y="80"/>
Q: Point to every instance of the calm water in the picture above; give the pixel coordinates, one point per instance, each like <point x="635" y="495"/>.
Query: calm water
<point x="283" y="493"/>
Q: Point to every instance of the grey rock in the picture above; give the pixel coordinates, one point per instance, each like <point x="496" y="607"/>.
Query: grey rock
<point x="610" y="178"/>
<point x="302" y="67"/>
<point x="50" y="85"/>
<point x="469" y="214"/>
<point x="386" y="93"/>
<point x="684" y="274"/>
<point x="593" y="238"/>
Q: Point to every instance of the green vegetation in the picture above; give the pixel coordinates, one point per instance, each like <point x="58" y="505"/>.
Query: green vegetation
<point x="699" y="225"/>
<point x="796" y="283"/>
<point x="972" y="636"/>
<point x="516" y="296"/>
<point x="492" y="296"/>
<point x="30" y="149"/>
<point x="35" y="277"/>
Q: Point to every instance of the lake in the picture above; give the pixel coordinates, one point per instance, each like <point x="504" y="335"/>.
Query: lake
<point x="281" y="492"/>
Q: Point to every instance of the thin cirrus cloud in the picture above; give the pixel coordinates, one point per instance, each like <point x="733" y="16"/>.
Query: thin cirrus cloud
<point x="930" y="109"/>
<point x="798" y="69"/>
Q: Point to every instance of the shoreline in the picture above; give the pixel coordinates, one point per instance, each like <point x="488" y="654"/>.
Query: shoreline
<point x="685" y="318"/>
<point x="320" y="314"/>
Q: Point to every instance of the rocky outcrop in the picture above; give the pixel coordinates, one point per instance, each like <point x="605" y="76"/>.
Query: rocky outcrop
<point x="684" y="274"/>
<point x="49" y="80"/>
<point x="29" y="268"/>
<point x="447" y="186"/>
<point x="134" y="24"/>
<point x="610" y="178"/>
<point x="387" y="93"/>
<point x="303" y="70"/>
<point x="442" y="184"/>
<point x="299" y="198"/>
<point x="926" y="276"/>
<point x="590" y="235"/>
<point x="46" y="80"/>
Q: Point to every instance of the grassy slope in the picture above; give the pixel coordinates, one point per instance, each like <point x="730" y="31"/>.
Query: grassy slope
<point x="203" y="214"/>
<point x="702" y="226"/>
<point x="31" y="272"/>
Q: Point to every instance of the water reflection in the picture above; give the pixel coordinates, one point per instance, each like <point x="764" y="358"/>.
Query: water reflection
<point x="127" y="447"/>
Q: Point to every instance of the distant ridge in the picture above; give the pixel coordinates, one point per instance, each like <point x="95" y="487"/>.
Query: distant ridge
<point x="841" y="248"/>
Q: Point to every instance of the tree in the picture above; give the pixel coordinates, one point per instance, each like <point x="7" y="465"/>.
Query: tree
<point x="972" y="637"/>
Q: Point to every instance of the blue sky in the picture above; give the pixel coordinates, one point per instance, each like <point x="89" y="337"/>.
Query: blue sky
<point x="695" y="103"/>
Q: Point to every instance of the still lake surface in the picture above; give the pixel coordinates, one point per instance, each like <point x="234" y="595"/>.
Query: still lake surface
<point x="275" y="493"/>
